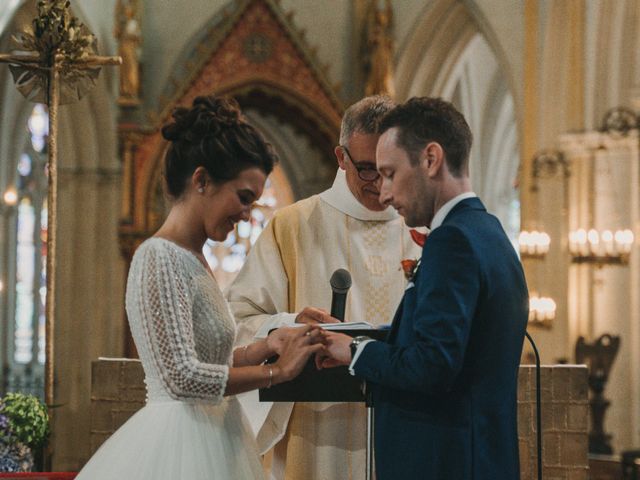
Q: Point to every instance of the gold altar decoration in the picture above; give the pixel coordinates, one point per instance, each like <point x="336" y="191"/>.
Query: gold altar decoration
<point x="54" y="62"/>
<point x="127" y="32"/>
<point x="379" y="50"/>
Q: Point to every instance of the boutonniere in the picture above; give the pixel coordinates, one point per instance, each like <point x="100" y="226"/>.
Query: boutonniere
<point x="410" y="266"/>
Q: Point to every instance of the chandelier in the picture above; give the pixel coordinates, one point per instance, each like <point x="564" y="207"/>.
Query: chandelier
<point x="533" y="244"/>
<point x="600" y="247"/>
<point x="542" y="310"/>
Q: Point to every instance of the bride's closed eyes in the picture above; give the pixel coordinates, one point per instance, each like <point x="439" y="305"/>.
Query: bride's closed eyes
<point x="247" y="197"/>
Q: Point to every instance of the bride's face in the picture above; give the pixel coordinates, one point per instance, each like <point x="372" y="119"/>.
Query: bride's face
<point x="228" y="203"/>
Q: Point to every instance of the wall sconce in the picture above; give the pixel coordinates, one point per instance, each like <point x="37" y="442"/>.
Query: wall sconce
<point x="620" y="120"/>
<point x="542" y="311"/>
<point x="546" y="164"/>
<point x="533" y="244"/>
<point x="601" y="248"/>
<point x="606" y="247"/>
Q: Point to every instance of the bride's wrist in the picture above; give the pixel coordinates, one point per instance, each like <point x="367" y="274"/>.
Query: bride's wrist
<point x="274" y="374"/>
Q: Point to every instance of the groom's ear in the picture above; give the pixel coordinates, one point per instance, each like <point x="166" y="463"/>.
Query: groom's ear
<point x="432" y="159"/>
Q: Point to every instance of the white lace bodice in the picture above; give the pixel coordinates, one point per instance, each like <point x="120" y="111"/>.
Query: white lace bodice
<point x="180" y="322"/>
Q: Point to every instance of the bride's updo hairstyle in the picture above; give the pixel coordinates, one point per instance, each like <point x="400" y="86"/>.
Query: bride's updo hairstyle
<point x="213" y="134"/>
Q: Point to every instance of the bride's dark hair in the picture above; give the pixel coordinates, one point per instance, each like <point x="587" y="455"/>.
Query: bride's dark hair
<point x="213" y="134"/>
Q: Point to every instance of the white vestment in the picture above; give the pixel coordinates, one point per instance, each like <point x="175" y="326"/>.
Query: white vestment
<point x="288" y="269"/>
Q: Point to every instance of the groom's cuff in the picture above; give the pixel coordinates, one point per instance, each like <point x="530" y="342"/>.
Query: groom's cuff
<point x="357" y="355"/>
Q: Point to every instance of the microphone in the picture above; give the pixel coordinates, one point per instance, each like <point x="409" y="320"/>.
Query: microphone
<point x="340" y="283"/>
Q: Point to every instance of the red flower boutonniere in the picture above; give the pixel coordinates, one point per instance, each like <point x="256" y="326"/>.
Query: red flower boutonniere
<point x="410" y="266"/>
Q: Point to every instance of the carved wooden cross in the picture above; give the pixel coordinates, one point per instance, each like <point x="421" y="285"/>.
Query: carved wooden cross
<point x="53" y="61"/>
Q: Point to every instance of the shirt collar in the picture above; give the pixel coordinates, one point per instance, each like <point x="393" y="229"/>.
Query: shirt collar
<point x="339" y="196"/>
<point x="442" y="213"/>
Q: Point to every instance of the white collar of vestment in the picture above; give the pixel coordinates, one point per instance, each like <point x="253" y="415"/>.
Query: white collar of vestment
<point x="340" y="197"/>
<point x="442" y="213"/>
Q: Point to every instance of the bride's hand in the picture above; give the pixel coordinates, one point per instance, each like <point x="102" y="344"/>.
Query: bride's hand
<point x="277" y="339"/>
<point x="295" y="347"/>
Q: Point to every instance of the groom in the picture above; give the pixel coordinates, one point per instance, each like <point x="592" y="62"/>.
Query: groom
<point x="444" y="382"/>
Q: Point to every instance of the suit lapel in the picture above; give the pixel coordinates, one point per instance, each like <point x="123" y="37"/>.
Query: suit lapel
<point x="473" y="203"/>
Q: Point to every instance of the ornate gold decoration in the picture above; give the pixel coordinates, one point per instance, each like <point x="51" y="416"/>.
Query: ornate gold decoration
<point x="127" y="32"/>
<point x="54" y="37"/>
<point x="54" y="64"/>
<point x="254" y="54"/>
<point x="379" y="50"/>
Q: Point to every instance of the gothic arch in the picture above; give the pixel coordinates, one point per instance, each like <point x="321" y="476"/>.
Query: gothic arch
<point x="613" y="58"/>
<point x="453" y="53"/>
<point x="255" y="55"/>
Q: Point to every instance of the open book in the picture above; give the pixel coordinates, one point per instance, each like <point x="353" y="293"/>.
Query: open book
<point x="347" y="326"/>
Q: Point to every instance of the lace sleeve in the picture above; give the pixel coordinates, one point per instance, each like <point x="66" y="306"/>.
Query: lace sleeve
<point x="166" y="302"/>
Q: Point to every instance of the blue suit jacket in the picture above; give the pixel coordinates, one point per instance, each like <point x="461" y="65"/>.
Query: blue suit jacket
<point x="444" y="384"/>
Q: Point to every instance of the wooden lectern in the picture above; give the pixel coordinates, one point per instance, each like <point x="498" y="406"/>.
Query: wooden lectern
<point x="328" y="385"/>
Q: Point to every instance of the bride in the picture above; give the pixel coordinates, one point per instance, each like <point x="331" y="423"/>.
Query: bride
<point x="192" y="427"/>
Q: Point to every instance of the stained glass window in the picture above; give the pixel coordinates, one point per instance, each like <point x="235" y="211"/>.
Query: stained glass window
<point x="25" y="285"/>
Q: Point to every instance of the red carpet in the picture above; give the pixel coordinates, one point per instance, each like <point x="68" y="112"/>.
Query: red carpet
<point x="40" y="476"/>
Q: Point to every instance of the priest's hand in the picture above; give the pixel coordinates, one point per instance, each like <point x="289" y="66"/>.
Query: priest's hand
<point x="337" y="351"/>
<point x="312" y="316"/>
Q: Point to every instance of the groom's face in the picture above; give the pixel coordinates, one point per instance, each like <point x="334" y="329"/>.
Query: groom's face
<point x="404" y="185"/>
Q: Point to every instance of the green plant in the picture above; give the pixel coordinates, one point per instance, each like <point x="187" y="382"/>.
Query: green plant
<point x="28" y="418"/>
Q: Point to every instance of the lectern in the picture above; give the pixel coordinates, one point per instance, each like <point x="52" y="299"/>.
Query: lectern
<point x="328" y="385"/>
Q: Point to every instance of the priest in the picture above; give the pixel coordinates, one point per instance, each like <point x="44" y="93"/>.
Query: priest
<point x="286" y="280"/>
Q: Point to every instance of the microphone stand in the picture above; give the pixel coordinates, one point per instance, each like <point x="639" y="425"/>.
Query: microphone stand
<point x="538" y="405"/>
<point x="370" y="431"/>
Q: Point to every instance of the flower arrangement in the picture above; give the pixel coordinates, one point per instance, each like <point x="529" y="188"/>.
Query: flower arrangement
<point x="24" y="425"/>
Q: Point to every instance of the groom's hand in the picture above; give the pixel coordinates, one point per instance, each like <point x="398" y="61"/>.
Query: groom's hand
<point x="337" y="351"/>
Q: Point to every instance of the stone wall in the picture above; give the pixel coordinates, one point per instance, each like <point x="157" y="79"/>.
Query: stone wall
<point x="118" y="392"/>
<point x="565" y="422"/>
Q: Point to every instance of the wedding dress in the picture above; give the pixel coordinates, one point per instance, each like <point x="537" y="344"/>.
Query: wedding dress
<point x="184" y="333"/>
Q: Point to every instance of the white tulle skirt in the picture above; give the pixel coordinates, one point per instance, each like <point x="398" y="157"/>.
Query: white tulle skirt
<point x="177" y="440"/>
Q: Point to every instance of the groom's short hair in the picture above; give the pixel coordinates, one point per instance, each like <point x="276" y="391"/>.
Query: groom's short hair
<point x="364" y="116"/>
<point x="422" y="120"/>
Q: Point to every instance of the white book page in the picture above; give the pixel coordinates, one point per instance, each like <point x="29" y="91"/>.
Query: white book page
<point x="347" y="326"/>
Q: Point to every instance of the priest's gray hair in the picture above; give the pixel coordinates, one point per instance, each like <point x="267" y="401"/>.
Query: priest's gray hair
<point x="364" y="116"/>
